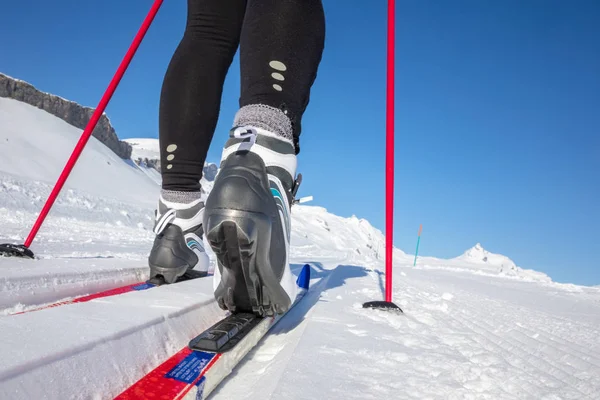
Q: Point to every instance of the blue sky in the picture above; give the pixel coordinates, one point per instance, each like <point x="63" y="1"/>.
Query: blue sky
<point x="497" y="113"/>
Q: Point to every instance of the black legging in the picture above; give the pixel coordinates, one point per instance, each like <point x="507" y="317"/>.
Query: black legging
<point x="289" y="31"/>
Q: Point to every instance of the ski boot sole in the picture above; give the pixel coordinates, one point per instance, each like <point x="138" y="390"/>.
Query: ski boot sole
<point x="168" y="275"/>
<point x="170" y="257"/>
<point x="241" y="240"/>
<point x="159" y="279"/>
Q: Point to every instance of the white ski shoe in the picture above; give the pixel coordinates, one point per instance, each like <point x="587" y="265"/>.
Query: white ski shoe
<point x="178" y="247"/>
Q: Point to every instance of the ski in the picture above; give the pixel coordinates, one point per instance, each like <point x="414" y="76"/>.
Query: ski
<point x="197" y="369"/>
<point x="150" y="283"/>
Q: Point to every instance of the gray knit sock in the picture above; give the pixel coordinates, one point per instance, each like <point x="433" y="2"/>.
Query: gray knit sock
<point x="180" y="197"/>
<point x="265" y="117"/>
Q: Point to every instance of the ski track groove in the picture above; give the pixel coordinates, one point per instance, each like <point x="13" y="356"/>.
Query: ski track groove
<point x="511" y="358"/>
<point x="542" y="333"/>
<point x="515" y="344"/>
<point x="518" y="336"/>
<point x="512" y="348"/>
<point x="481" y="341"/>
<point x="554" y="371"/>
<point x="572" y="365"/>
<point x="526" y="386"/>
<point x="565" y="320"/>
<point x="538" y="362"/>
<point x="565" y="326"/>
<point x="64" y="287"/>
<point x="267" y="350"/>
<point x="570" y="347"/>
<point x="485" y="343"/>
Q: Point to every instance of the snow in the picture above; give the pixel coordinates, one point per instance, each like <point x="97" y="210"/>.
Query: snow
<point x="128" y="333"/>
<point x="476" y="326"/>
<point x="462" y="337"/>
<point x="480" y="261"/>
<point x="35" y="146"/>
<point x="144" y="148"/>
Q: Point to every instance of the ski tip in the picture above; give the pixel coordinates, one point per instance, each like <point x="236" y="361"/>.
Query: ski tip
<point x="303" y="280"/>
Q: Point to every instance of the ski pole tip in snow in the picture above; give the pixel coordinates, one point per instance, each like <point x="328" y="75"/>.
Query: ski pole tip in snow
<point x="15" y="250"/>
<point x="382" y="305"/>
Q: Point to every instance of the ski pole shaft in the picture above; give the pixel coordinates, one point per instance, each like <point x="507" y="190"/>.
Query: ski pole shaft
<point x="389" y="152"/>
<point x="94" y="120"/>
<point x="418" y="241"/>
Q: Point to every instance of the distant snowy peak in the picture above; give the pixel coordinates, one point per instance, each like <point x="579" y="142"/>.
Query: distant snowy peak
<point x="144" y="147"/>
<point x="478" y="254"/>
<point x="476" y="251"/>
<point x="145" y="152"/>
<point x="483" y="260"/>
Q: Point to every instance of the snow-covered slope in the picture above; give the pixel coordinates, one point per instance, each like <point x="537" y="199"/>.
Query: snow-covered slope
<point x="476" y="326"/>
<point x="477" y="254"/>
<point x="35" y="146"/>
<point x="479" y="261"/>
<point x="144" y="148"/>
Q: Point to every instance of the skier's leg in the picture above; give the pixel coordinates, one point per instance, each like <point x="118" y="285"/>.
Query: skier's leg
<point x="192" y="88"/>
<point x="189" y="110"/>
<point x="280" y="51"/>
<point x="247" y="217"/>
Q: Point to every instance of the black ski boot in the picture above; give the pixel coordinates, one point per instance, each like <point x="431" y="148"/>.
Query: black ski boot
<point x="178" y="246"/>
<point x="247" y="222"/>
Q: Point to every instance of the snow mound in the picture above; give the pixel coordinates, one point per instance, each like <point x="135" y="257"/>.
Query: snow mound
<point x="501" y="264"/>
<point x="478" y="255"/>
<point x="35" y="146"/>
<point x="314" y="228"/>
<point x="144" y="148"/>
<point x="480" y="261"/>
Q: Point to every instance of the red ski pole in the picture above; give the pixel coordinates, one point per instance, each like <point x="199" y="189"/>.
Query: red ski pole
<point x="389" y="150"/>
<point x="23" y="250"/>
<point x="389" y="166"/>
<point x="86" y="133"/>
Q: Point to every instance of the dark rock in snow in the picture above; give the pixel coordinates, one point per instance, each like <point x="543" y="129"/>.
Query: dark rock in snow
<point x="69" y="111"/>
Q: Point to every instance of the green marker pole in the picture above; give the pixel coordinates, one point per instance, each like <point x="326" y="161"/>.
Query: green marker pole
<point x="418" y="241"/>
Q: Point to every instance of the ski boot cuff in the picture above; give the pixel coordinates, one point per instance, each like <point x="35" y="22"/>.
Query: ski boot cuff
<point x="181" y="197"/>
<point x="268" y="118"/>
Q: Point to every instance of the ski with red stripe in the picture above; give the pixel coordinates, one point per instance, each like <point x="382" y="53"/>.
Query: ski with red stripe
<point x="112" y="292"/>
<point x="192" y="372"/>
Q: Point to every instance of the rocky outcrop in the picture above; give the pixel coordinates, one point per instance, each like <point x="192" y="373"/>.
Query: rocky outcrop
<point x="66" y="110"/>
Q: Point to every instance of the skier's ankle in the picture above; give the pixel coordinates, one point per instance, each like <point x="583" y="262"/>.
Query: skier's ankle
<point x="181" y="197"/>
<point x="273" y="121"/>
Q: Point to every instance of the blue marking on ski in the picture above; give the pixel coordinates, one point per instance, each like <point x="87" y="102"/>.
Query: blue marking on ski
<point x="303" y="282"/>
<point x="189" y="369"/>
<point x="143" y="286"/>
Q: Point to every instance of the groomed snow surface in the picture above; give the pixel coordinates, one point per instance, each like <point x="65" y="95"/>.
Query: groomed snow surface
<point x="474" y="327"/>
